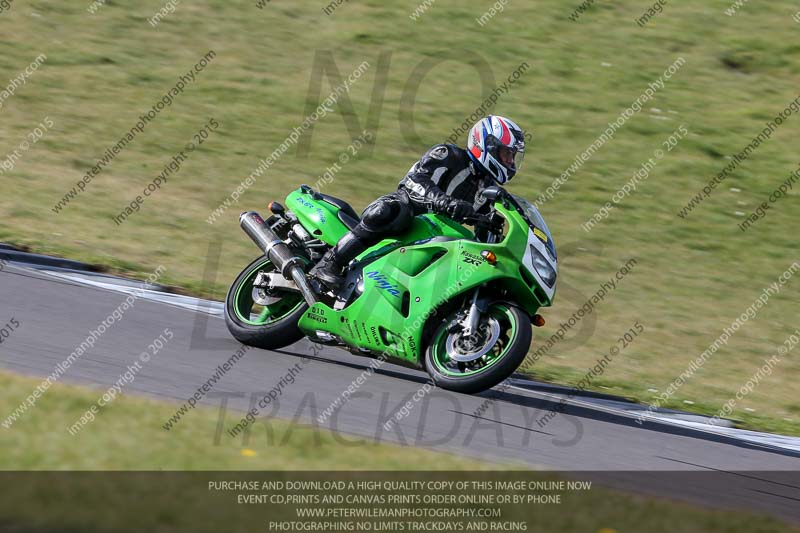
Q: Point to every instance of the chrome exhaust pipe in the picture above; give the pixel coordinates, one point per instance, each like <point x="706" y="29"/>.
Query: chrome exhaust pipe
<point x="289" y="265"/>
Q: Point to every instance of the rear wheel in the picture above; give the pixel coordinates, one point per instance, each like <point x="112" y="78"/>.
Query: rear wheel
<point x="474" y="363"/>
<point x="263" y="320"/>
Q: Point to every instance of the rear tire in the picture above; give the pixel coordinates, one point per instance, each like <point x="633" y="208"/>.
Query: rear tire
<point x="268" y="331"/>
<point x="505" y="355"/>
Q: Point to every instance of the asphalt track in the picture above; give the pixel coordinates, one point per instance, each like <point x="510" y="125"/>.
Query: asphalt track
<point x="56" y="314"/>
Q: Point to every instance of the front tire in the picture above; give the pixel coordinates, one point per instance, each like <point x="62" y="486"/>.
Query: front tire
<point x="262" y="326"/>
<point x="465" y="365"/>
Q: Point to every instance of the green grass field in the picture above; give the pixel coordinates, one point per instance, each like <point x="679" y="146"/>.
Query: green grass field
<point x="694" y="276"/>
<point x="128" y="436"/>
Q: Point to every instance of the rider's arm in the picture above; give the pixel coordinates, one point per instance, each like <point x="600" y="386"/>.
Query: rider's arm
<point x="421" y="181"/>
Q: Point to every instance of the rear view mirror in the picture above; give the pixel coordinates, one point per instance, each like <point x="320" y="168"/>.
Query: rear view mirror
<point x="492" y="193"/>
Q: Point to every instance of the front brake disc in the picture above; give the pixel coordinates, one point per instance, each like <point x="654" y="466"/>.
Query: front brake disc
<point x="465" y="349"/>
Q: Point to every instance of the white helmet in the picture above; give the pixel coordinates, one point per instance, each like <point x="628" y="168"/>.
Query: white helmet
<point x="497" y="145"/>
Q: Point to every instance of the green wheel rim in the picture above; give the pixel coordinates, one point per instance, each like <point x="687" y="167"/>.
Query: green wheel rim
<point x="449" y="367"/>
<point x="245" y="308"/>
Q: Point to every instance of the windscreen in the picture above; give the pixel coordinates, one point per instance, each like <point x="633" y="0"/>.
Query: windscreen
<point x="536" y="222"/>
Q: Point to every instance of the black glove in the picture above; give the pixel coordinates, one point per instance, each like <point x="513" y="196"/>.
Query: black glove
<point x="459" y="209"/>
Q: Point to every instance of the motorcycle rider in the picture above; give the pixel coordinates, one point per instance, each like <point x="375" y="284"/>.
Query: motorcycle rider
<point x="445" y="180"/>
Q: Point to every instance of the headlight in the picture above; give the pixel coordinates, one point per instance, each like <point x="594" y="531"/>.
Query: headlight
<point x="546" y="272"/>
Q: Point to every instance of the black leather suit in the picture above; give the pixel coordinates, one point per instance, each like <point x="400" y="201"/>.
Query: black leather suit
<point x="444" y="174"/>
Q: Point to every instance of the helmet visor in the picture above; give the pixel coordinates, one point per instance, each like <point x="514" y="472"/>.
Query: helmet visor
<point x="509" y="157"/>
<point x="519" y="157"/>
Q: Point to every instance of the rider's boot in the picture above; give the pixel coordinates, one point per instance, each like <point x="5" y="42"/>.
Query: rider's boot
<point x="330" y="269"/>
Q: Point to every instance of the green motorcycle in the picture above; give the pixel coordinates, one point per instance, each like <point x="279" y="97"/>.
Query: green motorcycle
<point x="457" y="304"/>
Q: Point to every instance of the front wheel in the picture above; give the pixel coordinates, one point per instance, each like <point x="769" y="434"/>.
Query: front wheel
<point x="479" y="362"/>
<point x="262" y="320"/>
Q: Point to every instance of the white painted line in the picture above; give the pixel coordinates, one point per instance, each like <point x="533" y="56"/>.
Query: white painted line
<point x="190" y="303"/>
<point x="767" y="440"/>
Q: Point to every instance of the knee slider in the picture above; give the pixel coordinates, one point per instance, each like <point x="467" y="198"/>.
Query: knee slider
<point x="379" y="213"/>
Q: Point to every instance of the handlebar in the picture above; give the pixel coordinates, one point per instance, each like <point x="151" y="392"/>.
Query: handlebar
<point x="478" y="219"/>
<point x="491" y="220"/>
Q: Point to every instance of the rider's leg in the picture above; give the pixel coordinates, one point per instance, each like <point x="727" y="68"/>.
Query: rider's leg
<point x="329" y="269"/>
<point x="387" y="215"/>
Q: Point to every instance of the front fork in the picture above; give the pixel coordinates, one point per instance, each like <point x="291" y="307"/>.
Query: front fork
<point x="472" y="320"/>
